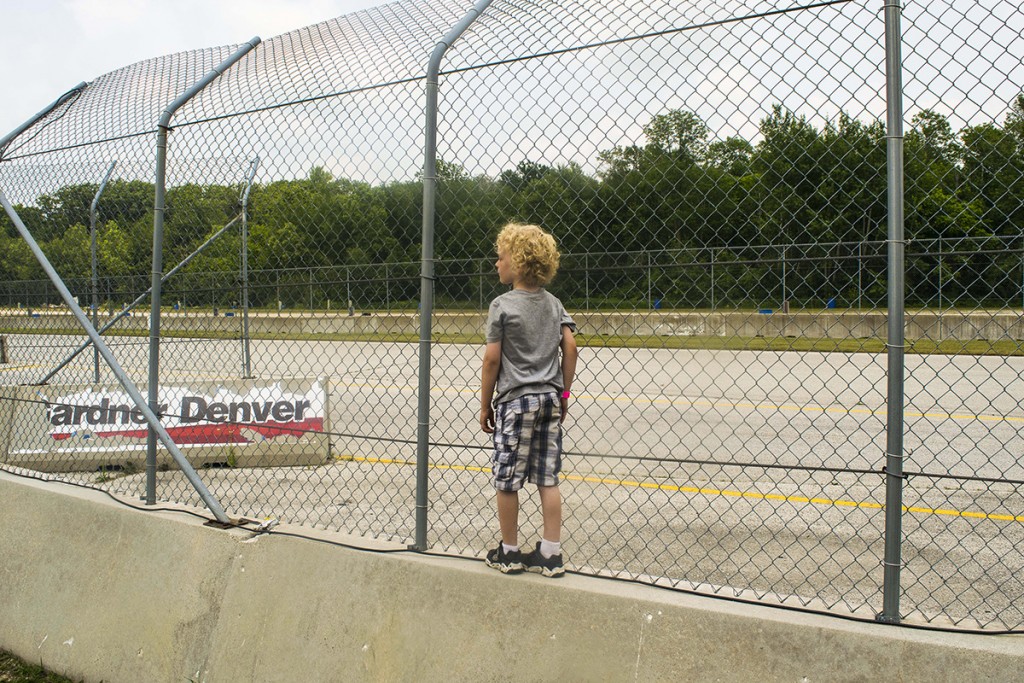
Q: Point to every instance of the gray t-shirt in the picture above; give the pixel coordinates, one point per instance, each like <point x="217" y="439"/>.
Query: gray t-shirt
<point x="529" y="327"/>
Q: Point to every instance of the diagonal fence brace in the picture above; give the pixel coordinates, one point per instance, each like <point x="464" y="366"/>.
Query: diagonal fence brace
<point x="136" y="396"/>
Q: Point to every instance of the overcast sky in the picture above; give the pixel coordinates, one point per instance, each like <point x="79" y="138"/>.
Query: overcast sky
<point x="49" y="46"/>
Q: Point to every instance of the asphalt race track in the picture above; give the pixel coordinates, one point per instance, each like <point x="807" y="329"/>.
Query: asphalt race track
<point x="753" y="474"/>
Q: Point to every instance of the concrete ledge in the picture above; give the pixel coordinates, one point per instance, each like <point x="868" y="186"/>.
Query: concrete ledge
<point x="99" y="591"/>
<point x="827" y="324"/>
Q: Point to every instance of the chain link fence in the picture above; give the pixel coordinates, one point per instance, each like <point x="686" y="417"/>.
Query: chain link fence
<point x="716" y="177"/>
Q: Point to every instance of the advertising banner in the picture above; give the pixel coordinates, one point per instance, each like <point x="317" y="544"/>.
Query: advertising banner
<point x="74" y="426"/>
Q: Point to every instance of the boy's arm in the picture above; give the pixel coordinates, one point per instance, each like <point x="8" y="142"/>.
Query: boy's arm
<point x="488" y="378"/>
<point x="569" y="356"/>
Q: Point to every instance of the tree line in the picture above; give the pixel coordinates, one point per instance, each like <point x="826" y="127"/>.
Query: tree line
<point x="681" y="217"/>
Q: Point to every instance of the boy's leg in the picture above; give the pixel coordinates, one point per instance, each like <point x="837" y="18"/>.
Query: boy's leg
<point x="508" y="517"/>
<point x="509" y="471"/>
<point x="507" y="558"/>
<point x="546" y="463"/>
<point x="551" y="509"/>
<point x="546" y="558"/>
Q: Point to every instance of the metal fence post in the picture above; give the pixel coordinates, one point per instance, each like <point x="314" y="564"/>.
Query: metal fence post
<point x="785" y="295"/>
<point x="93" y="210"/>
<point x="246" y="355"/>
<point x="586" y="280"/>
<point x="894" y="402"/>
<point x="860" y="272"/>
<point x="163" y="127"/>
<point x="427" y="269"/>
<point x="712" y="279"/>
<point x="650" y="299"/>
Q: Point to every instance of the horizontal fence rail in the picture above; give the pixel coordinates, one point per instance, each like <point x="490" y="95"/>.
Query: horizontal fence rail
<point x="717" y="177"/>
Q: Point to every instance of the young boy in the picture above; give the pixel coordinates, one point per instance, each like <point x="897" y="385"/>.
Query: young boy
<point x="526" y="328"/>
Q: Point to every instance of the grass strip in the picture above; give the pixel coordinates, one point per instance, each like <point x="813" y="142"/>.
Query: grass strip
<point x="15" y="670"/>
<point x="949" y="347"/>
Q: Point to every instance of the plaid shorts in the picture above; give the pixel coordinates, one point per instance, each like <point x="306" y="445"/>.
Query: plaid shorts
<point x="527" y="442"/>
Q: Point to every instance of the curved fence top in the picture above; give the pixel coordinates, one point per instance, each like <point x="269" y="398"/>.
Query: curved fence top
<point x="728" y="62"/>
<point x="385" y="44"/>
<point x="123" y="103"/>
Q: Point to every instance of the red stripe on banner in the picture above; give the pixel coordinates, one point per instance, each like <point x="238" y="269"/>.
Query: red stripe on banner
<point x="220" y="432"/>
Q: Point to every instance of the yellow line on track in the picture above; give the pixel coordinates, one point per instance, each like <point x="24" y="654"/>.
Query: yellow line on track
<point x="12" y="368"/>
<point x="712" y="492"/>
<point x="809" y="409"/>
<point x="698" y="403"/>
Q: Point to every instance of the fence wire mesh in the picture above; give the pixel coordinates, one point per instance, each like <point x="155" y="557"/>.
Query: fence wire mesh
<point x="715" y="175"/>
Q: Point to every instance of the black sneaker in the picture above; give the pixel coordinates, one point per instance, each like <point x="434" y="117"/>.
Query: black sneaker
<point x="506" y="563"/>
<point x="535" y="562"/>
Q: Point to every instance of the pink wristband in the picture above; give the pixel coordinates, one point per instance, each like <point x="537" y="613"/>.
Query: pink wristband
<point x="565" y="394"/>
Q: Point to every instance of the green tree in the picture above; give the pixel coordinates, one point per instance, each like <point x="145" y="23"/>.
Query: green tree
<point x="678" y="133"/>
<point x="731" y="156"/>
<point x="191" y="213"/>
<point x="70" y="205"/>
<point x="70" y="253"/>
<point x="524" y="173"/>
<point x="115" y="251"/>
<point x="17" y="261"/>
<point x="931" y="156"/>
<point x="127" y="202"/>
<point x="402" y="204"/>
<point x="787" y="165"/>
<point x="993" y="165"/>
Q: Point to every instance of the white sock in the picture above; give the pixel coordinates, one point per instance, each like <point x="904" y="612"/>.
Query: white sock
<point x="549" y="548"/>
<point x="509" y="548"/>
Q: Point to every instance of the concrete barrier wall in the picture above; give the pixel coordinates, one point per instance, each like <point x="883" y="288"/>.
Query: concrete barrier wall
<point x="950" y="325"/>
<point x="99" y="591"/>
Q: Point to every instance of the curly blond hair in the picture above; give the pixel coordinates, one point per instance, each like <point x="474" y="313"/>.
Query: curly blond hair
<point x="532" y="252"/>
